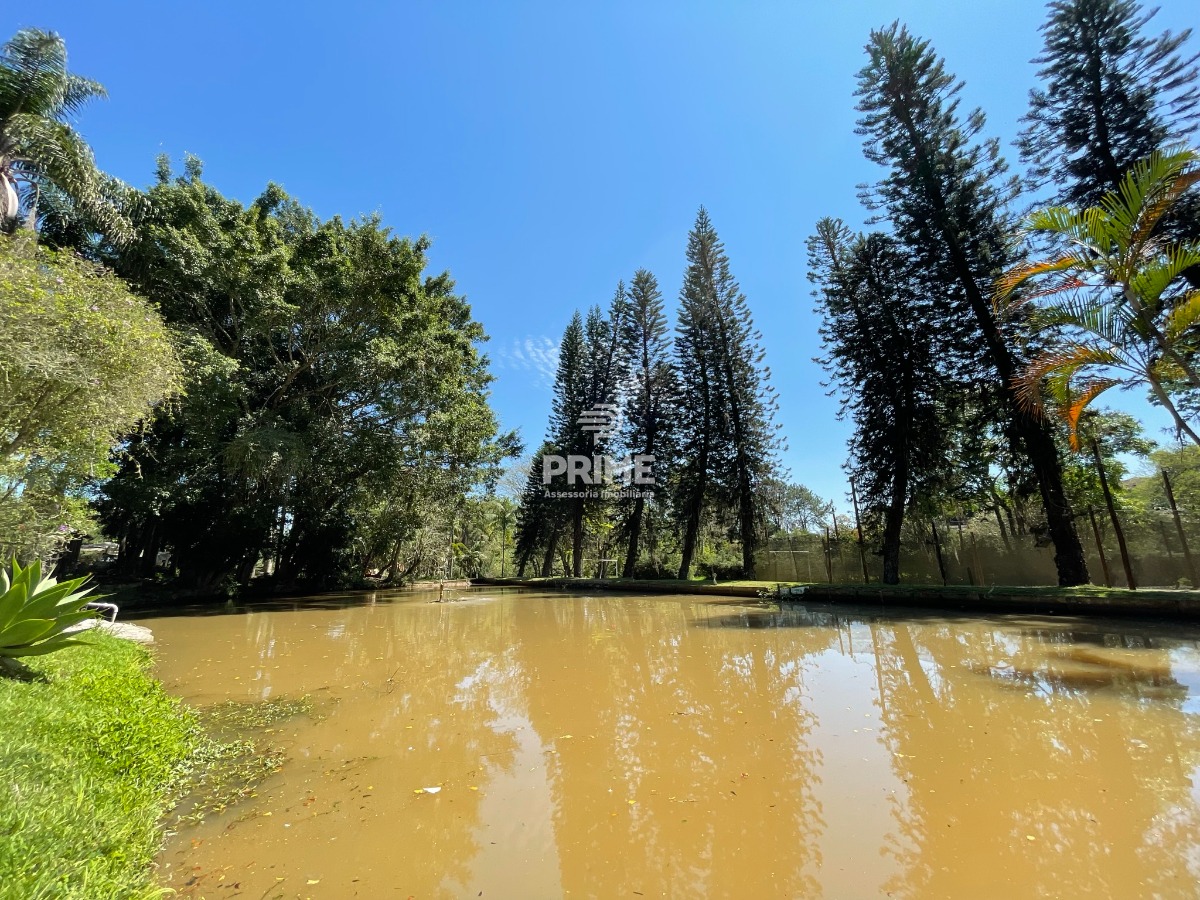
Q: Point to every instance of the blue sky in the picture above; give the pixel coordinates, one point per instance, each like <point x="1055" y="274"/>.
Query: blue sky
<point x="549" y="149"/>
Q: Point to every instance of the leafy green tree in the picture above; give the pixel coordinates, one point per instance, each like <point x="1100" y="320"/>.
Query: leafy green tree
<point x="727" y="435"/>
<point x="40" y="153"/>
<point x="303" y="417"/>
<point x="650" y="399"/>
<point x="84" y="360"/>
<point x="947" y="206"/>
<point x="1113" y="95"/>
<point x="793" y="507"/>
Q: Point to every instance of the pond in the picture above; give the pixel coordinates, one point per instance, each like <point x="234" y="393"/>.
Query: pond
<point x="518" y="744"/>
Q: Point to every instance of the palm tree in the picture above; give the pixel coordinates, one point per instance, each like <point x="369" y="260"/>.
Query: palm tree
<point x="1113" y="309"/>
<point x="39" y="150"/>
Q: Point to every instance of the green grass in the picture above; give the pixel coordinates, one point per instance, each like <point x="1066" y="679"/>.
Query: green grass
<point x="91" y="756"/>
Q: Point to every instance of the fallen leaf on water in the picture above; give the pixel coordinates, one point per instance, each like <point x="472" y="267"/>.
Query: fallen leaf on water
<point x="313" y="881"/>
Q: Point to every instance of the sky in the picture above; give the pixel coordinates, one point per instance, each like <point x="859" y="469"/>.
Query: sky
<point x="549" y="149"/>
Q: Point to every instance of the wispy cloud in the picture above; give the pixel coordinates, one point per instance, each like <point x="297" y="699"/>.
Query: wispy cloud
<point x="534" y="353"/>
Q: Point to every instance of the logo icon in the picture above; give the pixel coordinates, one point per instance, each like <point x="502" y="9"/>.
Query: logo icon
<point x="603" y="420"/>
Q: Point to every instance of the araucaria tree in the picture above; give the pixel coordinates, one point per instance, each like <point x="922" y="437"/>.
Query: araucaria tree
<point x="878" y="332"/>
<point x="947" y="207"/>
<point x="726" y="432"/>
<point x="1112" y="96"/>
<point x="650" y="397"/>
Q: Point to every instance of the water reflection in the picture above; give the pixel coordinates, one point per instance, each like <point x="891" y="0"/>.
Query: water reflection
<point x="603" y="746"/>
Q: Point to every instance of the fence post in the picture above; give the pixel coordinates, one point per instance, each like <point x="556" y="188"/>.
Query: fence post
<point x="1187" y="553"/>
<point x="862" y="553"/>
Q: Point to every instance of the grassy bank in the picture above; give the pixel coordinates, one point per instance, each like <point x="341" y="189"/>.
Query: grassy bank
<point x="1081" y="600"/>
<point x="89" y="758"/>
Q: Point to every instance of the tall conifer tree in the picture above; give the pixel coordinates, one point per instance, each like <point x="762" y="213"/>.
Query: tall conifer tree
<point x="947" y="206"/>
<point x="1112" y="96"/>
<point x="649" y="398"/>
<point x="727" y="429"/>
<point x="878" y="331"/>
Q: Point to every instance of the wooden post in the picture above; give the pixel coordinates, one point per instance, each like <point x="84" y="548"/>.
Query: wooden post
<point x="862" y="553"/>
<point x="1112" y="514"/>
<point x="1100" y="548"/>
<point x="1187" y="553"/>
<point x="937" y="546"/>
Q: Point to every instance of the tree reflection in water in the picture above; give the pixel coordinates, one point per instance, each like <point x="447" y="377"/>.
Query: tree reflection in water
<point x="607" y="746"/>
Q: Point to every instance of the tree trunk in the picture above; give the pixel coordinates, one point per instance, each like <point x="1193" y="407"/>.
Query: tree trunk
<point x="1187" y="552"/>
<point x="691" y="531"/>
<point x="937" y="548"/>
<point x="577" y="539"/>
<point x="893" y="522"/>
<point x="1032" y="431"/>
<point x="548" y="559"/>
<point x="1100" y="548"/>
<point x="1112" y="514"/>
<point x="635" y="534"/>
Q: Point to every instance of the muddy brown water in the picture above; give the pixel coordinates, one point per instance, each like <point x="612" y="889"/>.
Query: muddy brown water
<point x="621" y="746"/>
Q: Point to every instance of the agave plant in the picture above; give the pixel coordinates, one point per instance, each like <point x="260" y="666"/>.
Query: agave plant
<point x="35" y="612"/>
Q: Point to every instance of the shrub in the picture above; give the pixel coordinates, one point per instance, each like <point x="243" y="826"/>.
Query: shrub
<point x="35" y="612"/>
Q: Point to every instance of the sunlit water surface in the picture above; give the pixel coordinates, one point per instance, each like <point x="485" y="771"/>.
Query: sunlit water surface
<point x="615" y="746"/>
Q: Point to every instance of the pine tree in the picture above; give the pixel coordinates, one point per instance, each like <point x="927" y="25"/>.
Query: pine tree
<point x="649" y="397"/>
<point x="1112" y="97"/>
<point x="727" y="431"/>
<point x="534" y="521"/>
<point x="878" y="331"/>
<point x="948" y="210"/>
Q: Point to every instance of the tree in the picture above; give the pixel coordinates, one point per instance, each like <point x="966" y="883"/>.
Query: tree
<point x="40" y="152"/>
<point x="84" y="360"/>
<point x="537" y="528"/>
<point x="1112" y="97"/>
<point x="727" y="432"/>
<point x="792" y="507"/>
<point x="332" y="386"/>
<point x="1111" y="307"/>
<point x="571" y="386"/>
<point x="878" y="331"/>
<point x="650" y="398"/>
<point x="947" y="208"/>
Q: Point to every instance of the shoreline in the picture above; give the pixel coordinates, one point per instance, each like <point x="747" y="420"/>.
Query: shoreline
<point x="1086" y="600"/>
